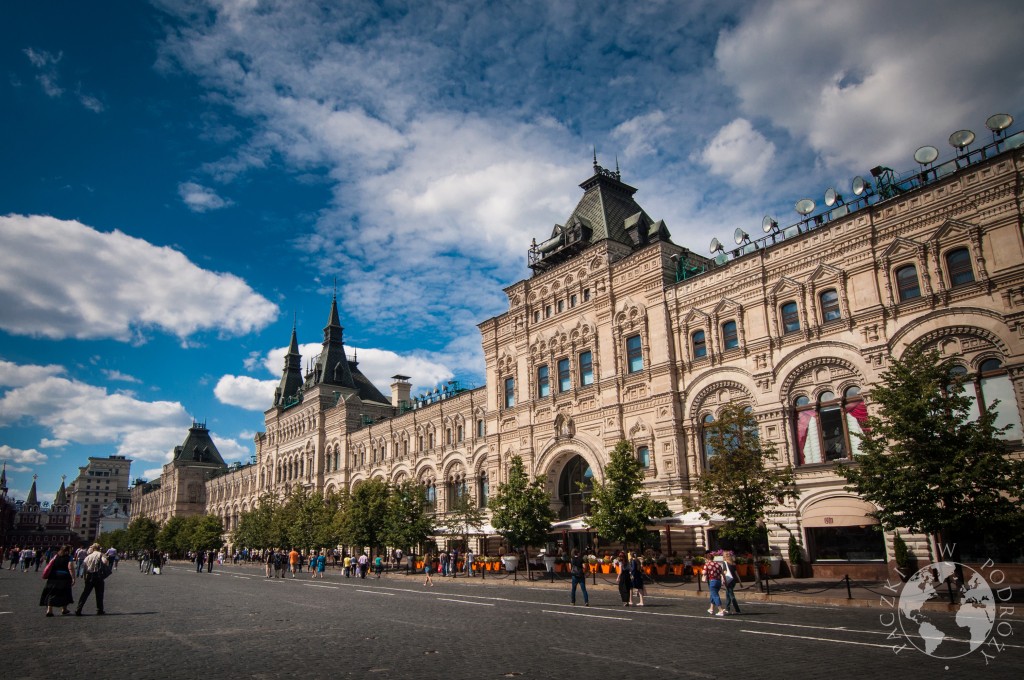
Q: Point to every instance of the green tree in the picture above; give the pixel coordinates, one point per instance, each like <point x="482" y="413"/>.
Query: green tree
<point x="928" y="465"/>
<point x="308" y="519"/>
<point x="743" y="478"/>
<point x="364" y="523"/>
<point x="255" y="527"/>
<point x="201" y="532"/>
<point x="462" y="518"/>
<point x="116" y="539"/>
<point x="142" y="533"/>
<point x="170" y="534"/>
<point x="408" y="524"/>
<point x="620" y="510"/>
<point x="521" y="510"/>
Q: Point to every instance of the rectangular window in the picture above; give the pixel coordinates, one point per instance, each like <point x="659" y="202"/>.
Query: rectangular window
<point x="536" y="316"/>
<point x="572" y="300"/>
<point x="564" y="377"/>
<point x="634" y="354"/>
<point x="699" y="344"/>
<point x="830" y="306"/>
<point x="586" y="295"/>
<point x="644" y="455"/>
<point x="510" y="392"/>
<point x="543" y="384"/>
<point x="561" y="305"/>
<point x="730" y="339"/>
<point x="790" y="318"/>
<point x="547" y="311"/>
<point x="586" y="368"/>
<point x="480" y="431"/>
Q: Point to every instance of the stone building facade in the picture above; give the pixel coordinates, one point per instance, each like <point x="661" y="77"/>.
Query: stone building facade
<point x="100" y="483"/>
<point x="622" y="334"/>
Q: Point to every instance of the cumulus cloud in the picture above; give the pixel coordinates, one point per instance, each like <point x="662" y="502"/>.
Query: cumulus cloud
<point x="739" y="153"/>
<point x="29" y="456"/>
<point x="245" y="392"/>
<point x="233" y="450"/>
<point x="45" y="443"/>
<point x="864" y="91"/>
<point x="16" y="375"/>
<point x="112" y="374"/>
<point x="200" y="199"/>
<point x="112" y="285"/>
<point x="75" y="412"/>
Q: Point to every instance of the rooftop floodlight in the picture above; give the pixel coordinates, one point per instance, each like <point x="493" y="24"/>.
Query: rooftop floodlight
<point x="740" y="236"/>
<point x="804" y="206"/>
<point x="832" y="197"/>
<point x="716" y="246"/>
<point x="768" y="225"/>
<point x="998" y="123"/>
<point x="961" y="140"/>
<point x="860" y="186"/>
<point x="926" y="155"/>
<point x="879" y="170"/>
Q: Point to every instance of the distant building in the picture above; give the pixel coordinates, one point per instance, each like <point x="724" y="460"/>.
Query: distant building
<point x="99" y="483"/>
<point x="40" y="526"/>
<point x="113" y="517"/>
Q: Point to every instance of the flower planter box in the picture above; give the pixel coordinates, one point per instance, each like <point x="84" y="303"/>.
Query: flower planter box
<point x="697" y="571"/>
<point x="606" y="568"/>
<point x="677" y="569"/>
<point x="662" y="569"/>
<point x="743" y="570"/>
<point x="648" y="569"/>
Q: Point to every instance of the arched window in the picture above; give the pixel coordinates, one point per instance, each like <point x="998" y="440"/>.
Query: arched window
<point x="483" y="490"/>
<point x="958" y="264"/>
<point x="430" y="494"/>
<point x="992" y="383"/>
<point x="634" y="354"/>
<point x="705" y="437"/>
<point x="459" y="434"/>
<point x="790" y="318"/>
<point x="574" y="487"/>
<point x="510" y="392"/>
<point x="829" y="303"/>
<point x="826" y="430"/>
<point x="643" y="454"/>
<point x="698" y="345"/>
<point x="543" y="382"/>
<point x="730" y="338"/>
<point x="907" y="284"/>
<point x="480" y="428"/>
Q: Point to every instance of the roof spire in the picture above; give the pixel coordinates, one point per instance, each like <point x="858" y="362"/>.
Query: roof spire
<point x="596" y="166"/>
<point x="32" y="500"/>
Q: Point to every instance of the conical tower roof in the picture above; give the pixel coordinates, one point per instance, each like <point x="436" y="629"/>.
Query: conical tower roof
<point x="332" y="366"/>
<point x="62" y="495"/>
<point x="198" y="448"/>
<point x="32" y="500"/>
<point x="291" y="376"/>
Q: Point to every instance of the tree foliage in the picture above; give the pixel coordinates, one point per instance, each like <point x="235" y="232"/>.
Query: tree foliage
<point x="620" y="510"/>
<point x="365" y="521"/>
<point x="255" y="529"/>
<point x="742" y="479"/>
<point x="408" y="524"/>
<point x="928" y="464"/>
<point x="201" y="532"/>
<point x="142" y="533"/>
<point x="522" y="511"/>
<point x="463" y="518"/>
<point x="170" y="533"/>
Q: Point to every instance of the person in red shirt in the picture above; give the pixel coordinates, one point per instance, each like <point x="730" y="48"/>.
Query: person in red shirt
<point x="713" y="575"/>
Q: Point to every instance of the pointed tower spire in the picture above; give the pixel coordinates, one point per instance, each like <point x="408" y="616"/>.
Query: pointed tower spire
<point x="3" y="480"/>
<point x="596" y="166"/>
<point x="62" y="495"/>
<point x="291" y="376"/>
<point x="32" y="500"/>
<point x="332" y="365"/>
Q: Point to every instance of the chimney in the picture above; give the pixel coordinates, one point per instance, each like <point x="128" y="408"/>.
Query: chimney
<point x="401" y="390"/>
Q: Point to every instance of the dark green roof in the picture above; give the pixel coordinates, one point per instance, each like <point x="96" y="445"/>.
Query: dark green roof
<point x="198" y="448"/>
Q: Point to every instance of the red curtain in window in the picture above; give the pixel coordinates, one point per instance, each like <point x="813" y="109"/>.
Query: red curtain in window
<point x="803" y="422"/>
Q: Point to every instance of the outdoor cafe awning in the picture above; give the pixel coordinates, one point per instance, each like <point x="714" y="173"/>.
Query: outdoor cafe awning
<point x="484" y="529"/>
<point x="571" y="524"/>
<point x="691" y="519"/>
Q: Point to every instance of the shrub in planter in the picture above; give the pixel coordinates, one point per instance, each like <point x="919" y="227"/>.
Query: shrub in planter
<point x="796" y="556"/>
<point x="901" y="555"/>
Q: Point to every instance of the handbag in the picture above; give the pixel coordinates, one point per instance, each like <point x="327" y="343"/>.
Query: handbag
<point x="48" y="568"/>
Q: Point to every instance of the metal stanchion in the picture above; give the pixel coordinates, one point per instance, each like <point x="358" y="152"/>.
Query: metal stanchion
<point x="849" y="593"/>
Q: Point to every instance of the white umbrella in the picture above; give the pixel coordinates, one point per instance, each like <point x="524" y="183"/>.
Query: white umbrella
<point x="692" y="519"/>
<point x="572" y="524"/>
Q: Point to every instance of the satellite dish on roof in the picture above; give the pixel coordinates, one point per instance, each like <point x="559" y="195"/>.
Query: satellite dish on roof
<point x="961" y="139"/>
<point x="768" y="225"/>
<point x="804" y="206"/>
<point x="740" y="236"/>
<point x="999" y="122"/>
<point x="860" y="186"/>
<point x="926" y="155"/>
<point x="716" y="245"/>
<point x="832" y="197"/>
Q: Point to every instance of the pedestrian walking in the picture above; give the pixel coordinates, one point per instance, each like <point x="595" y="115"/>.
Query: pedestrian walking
<point x="623" y="580"/>
<point x="157" y="560"/>
<point x="579" y="578"/>
<point x="426" y="570"/>
<point x="321" y="564"/>
<point x="378" y="565"/>
<point x="97" y="568"/>
<point x="211" y="555"/>
<point x="713" y="576"/>
<point x="199" y="562"/>
<point x="636" y="575"/>
<point x="346" y="569"/>
<point x="270" y="563"/>
<point x="364" y="564"/>
<point x="293" y="561"/>
<point x="469" y="562"/>
<point x="60" y="577"/>
<point x="731" y="576"/>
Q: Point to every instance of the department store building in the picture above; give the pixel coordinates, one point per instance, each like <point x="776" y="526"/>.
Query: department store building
<point x="620" y="333"/>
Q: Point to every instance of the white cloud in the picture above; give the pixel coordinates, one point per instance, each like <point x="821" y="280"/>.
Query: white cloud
<point x="52" y="443"/>
<point x="16" y="375"/>
<point x="245" y="392"/>
<point x="112" y="285"/>
<point x="30" y="456"/>
<point x="42" y="58"/>
<point x="739" y="153"/>
<point x="112" y="374"/>
<point x="85" y="414"/>
<point x="233" y="450"/>
<point x="152" y="473"/>
<point x="92" y="103"/>
<point x="200" y="199"/>
<point x="643" y="135"/>
<point x="866" y="83"/>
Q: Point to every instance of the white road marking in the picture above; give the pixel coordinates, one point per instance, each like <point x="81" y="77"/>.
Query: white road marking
<point x="372" y="592"/>
<point x="317" y="585"/>
<point x="589" y="616"/>
<point x="818" y="639"/>
<point x="479" y="604"/>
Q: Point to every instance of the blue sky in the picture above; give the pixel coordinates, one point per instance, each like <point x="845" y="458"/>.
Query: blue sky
<point x="181" y="180"/>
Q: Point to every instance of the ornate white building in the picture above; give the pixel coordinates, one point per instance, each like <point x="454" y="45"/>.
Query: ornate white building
<point x="621" y="333"/>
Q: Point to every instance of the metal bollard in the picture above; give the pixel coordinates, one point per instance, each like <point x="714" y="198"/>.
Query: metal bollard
<point x="849" y="593"/>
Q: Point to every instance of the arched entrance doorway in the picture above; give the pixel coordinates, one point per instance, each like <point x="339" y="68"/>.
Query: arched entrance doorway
<point x="574" y="487"/>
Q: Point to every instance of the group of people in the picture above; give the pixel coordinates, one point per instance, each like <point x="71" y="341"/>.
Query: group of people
<point x="718" y="573"/>
<point x="61" y="574"/>
<point x="26" y="558"/>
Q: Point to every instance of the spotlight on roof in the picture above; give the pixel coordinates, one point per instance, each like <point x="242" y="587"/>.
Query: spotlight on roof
<point x="768" y="225"/>
<point x="740" y="236"/>
<point x="961" y="140"/>
<point x="926" y="155"/>
<point x="860" y="186"/>
<point x="998" y="123"/>
<point x="804" y="206"/>
<point x="716" y="246"/>
<point x="832" y="197"/>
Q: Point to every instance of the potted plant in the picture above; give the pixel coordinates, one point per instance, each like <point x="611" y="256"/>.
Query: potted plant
<point x="511" y="562"/>
<point x="698" y="565"/>
<point x="661" y="564"/>
<point x="796" y="557"/>
<point x="904" y="560"/>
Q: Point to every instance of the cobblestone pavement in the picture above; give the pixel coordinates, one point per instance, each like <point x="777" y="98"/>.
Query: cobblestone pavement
<point x="234" y="623"/>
